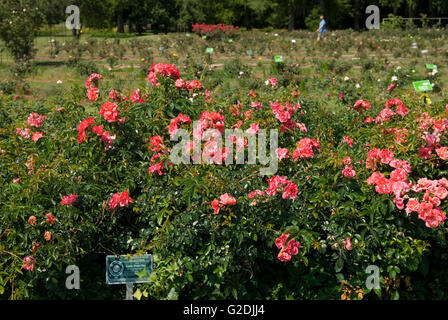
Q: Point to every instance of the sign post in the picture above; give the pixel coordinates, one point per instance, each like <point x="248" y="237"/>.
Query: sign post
<point x="129" y="291"/>
<point x="126" y="269"/>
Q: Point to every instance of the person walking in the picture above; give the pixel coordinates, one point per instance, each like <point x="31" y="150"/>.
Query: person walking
<point x="321" y="30"/>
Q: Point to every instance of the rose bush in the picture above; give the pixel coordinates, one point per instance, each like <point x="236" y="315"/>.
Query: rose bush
<point x="357" y="185"/>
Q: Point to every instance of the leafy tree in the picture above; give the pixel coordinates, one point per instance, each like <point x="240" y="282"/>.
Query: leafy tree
<point x="54" y="10"/>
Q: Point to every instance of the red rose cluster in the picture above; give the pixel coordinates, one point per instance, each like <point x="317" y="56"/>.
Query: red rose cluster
<point x="305" y="148"/>
<point x="286" y="252"/>
<point x="165" y="69"/>
<point x="120" y="199"/>
<point x="434" y="190"/>
<point x="68" y="200"/>
<point x="109" y="111"/>
<point x="432" y="132"/>
<point x="174" y="125"/>
<point x="224" y="200"/>
<point x="387" y="112"/>
<point x="34" y="120"/>
<point x="362" y="104"/>
<point x="98" y="130"/>
<point x="283" y="113"/>
<point x="213" y="28"/>
<point x="92" y="86"/>
<point x="276" y="184"/>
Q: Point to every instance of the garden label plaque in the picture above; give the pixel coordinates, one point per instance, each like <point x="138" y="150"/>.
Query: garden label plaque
<point x="249" y="52"/>
<point x="423" y="85"/>
<point x="230" y="40"/>
<point x="126" y="269"/>
<point x="209" y="50"/>
<point x="204" y="37"/>
<point x="431" y="66"/>
<point x="278" y="59"/>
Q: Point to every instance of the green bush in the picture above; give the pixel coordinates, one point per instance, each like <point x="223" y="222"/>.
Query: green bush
<point x="86" y="68"/>
<point x="343" y="223"/>
<point x="18" y="23"/>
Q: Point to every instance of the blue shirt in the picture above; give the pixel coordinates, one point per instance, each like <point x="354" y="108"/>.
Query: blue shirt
<point x="322" y="24"/>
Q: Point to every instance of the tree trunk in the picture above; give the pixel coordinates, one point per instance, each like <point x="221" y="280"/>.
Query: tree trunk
<point x="246" y="16"/>
<point x="323" y="7"/>
<point x="395" y="9"/>
<point x="357" y="11"/>
<point x="292" y="13"/>
<point x="410" y="6"/>
<point x="120" y="24"/>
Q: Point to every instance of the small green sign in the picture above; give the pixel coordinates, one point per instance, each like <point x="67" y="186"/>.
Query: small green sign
<point x="128" y="269"/>
<point x="431" y="66"/>
<point x="209" y="50"/>
<point x="230" y="40"/>
<point x="423" y="85"/>
<point x="204" y="37"/>
<point x="278" y="59"/>
<point x="249" y="52"/>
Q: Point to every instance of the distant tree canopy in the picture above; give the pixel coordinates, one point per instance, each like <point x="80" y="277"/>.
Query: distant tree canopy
<point x="18" y="22"/>
<point x="179" y="15"/>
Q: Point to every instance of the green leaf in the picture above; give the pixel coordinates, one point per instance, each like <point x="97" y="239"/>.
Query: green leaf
<point x="378" y="292"/>
<point x="137" y="294"/>
<point x="172" y="295"/>
<point x="392" y="274"/>
<point x="395" y="295"/>
<point x="235" y="293"/>
<point x="340" y="277"/>
<point x="339" y="265"/>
